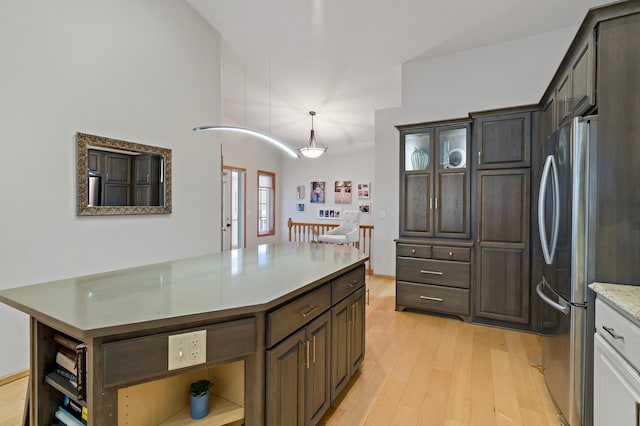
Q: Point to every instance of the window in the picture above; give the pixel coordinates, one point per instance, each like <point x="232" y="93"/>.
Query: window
<point x="266" y="203"/>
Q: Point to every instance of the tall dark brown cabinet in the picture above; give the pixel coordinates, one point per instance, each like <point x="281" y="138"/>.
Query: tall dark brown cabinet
<point x="503" y="188"/>
<point x="433" y="253"/>
<point x="618" y="210"/>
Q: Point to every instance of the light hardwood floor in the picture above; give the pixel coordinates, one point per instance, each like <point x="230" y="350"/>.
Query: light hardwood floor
<point x="422" y="370"/>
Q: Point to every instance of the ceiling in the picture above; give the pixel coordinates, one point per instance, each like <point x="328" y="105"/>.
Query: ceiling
<point x="343" y="58"/>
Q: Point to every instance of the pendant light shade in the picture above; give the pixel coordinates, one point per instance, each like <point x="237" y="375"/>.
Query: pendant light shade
<point x="312" y="150"/>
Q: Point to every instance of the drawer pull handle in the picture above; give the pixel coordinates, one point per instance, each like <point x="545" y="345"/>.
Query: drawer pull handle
<point x="308" y="312"/>
<point x="368" y="296"/>
<point x="612" y="332"/>
<point x="435" y="299"/>
<point x="353" y="283"/>
<point x="431" y="272"/>
<point x="413" y="250"/>
<point x="450" y="253"/>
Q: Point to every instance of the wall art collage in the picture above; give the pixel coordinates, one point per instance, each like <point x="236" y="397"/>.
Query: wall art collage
<point x="343" y="193"/>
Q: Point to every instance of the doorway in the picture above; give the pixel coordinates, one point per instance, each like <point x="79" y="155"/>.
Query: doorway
<point x="234" y="190"/>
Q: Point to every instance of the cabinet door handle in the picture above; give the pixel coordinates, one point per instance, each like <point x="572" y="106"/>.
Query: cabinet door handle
<point x="436" y="203"/>
<point x="309" y="311"/>
<point x="368" y="296"/>
<point x="479" y="157"/>
<point x="314" y="349"/>
<point x="422" y="271"/>
<point x="307" y="345"/>
<point x="435" y="299"/>
<point x="612" y="332"/>
<point x="430" y="203"/>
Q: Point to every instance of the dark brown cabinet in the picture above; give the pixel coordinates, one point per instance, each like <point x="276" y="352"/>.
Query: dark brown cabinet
<point x="315" y="344"/>
<point x="435" y="180"/>
<point x="617" y="234"/>
<point x="575" y="90"/>
<point x="298" y="390"/>
<point x="434" y="277"/>
<point x="503" y="141"/>
<point x="347" y="343"/>
<point x="502" y="288"/>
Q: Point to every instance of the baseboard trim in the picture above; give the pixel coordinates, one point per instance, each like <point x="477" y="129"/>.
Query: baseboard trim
<point x="13" y="377"/>
<point x="391" y="277"/>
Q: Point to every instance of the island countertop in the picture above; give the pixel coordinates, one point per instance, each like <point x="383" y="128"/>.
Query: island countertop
<point x="229" y="283"/>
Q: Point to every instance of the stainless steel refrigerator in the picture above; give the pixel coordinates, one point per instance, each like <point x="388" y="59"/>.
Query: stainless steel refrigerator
<point x="566" y="218"/>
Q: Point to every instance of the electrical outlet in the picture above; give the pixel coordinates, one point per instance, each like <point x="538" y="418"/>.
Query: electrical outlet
<point x="187" y="349"/>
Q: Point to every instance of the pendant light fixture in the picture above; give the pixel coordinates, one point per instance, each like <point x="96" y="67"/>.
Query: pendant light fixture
<point x="312" y="150"/>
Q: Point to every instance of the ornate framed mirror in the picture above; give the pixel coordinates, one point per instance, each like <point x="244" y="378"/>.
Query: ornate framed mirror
<point x="121" y="178"/>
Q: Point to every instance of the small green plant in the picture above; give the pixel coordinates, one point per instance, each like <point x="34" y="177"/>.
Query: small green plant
<point x="200" y="387"/>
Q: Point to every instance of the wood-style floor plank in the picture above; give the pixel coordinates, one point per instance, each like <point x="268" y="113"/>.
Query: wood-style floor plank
<point x="421" y="370"/>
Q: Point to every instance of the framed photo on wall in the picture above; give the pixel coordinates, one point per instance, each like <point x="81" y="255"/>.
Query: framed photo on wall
<point x="342" y="192"/>
<point x="329" y="213"/>
<point x="300" y="192"/>
<point x="317" y="192"/>
<point x="364" y="190"/>
<point x="300" y="207"/>
<point x="365" y="208"/>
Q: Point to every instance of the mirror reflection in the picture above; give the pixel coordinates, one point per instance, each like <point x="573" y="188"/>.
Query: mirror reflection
<point x="119" y="177"/>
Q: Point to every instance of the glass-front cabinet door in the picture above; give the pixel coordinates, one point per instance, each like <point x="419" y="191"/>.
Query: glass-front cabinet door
<point x="434" y="180"/>
<point x="416" y="182"/>
<point x="452" y="195"/>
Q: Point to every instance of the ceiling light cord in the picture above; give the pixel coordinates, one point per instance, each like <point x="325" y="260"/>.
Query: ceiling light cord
<point x="312" y="150"/>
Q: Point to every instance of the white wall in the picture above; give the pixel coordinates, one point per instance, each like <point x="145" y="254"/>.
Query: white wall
<point x="332" y="166"/>
<point x="501" y="75"/>
<point x="145" y="71"/>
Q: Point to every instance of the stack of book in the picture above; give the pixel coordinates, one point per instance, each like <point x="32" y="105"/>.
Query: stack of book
<point x="70" y="413"/>
<point x="70" y="363"/>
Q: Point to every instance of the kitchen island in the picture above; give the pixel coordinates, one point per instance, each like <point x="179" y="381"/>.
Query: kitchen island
<point x="247" y="303"/>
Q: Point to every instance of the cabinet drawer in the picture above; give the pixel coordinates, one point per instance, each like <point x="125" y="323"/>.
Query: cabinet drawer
<point x="143" y="358"/>
<point x="346" y="284"/>
<point x="453" y="274"/>
<point x="462" y="254"/>
<point x="610" y="323"/>
<point x="433" y="298"/>
<point x="287" y="319"/>
<point x="413" y="250"/>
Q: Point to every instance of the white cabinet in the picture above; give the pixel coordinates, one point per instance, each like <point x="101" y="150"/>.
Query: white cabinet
<point x="616" y="378"/>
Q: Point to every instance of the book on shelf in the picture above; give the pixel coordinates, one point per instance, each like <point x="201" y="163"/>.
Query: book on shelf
<point x="66" y="373"/>
<point x="72" y="356"/>
<point x="67" y="363"/>
<point x="66" y="418"/>
<point x="75" y="409"/>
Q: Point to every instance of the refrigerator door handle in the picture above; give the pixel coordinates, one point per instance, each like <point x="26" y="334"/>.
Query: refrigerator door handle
<point x="561" y="306"/>
<point x="549" y="168"/>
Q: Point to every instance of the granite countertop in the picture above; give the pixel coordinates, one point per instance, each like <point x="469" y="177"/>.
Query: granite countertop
<point x="625" y="297"/>
<point x="228" y="282"/>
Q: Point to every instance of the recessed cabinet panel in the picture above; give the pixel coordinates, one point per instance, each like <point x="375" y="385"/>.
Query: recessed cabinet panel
<point x="504" y="290"/>
<point x="504" y="141"/>
<point x="504" y="206"/>
<point x="453" y="208"/>
<point x="563" y="93"/>
<point x="417" y="196"/>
